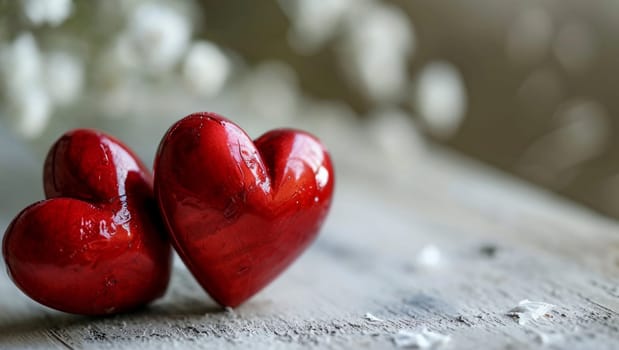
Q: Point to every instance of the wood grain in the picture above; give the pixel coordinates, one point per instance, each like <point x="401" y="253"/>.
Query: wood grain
<point x="501" y="241"/>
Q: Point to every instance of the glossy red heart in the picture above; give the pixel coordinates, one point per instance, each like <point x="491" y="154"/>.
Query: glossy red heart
<point x="96" y="245"/>
<point x="239" y="212"/>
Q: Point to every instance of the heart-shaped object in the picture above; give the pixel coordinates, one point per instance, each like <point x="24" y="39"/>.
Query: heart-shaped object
<point x="239" y="212"/>
<point x="96" y="245"/>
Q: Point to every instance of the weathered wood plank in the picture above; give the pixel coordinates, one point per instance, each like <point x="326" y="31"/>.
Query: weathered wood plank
<point x="500" y="242"/>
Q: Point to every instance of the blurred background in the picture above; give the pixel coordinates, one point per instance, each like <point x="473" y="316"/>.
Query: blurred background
<point x="530" y="86"/>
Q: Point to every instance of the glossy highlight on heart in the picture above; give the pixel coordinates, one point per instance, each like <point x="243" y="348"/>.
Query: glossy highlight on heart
<point x="96" y="246"/>
<point x="240" y="211"/>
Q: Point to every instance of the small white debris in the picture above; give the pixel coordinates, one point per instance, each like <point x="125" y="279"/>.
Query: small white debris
<point x="529" y="310"/>
<point x="368" y="316"/>
<point x="423" y="339"/>
<point x="429" y="256"/>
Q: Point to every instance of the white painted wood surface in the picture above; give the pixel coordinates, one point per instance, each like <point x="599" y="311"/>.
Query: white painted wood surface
<point x="500" y="241"/>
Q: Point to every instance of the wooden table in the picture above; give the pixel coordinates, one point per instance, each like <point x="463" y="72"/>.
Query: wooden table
<point x="447" y="245"/>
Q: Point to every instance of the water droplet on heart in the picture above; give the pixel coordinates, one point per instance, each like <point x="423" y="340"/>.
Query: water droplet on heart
<point x="316" y="199"/>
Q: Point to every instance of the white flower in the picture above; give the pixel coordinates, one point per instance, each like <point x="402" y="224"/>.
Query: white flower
<point x="529" y="36"/>
<point x="271" y="91"/>
<point x="379" y="40"/>
<point x="576" y="46"/>
<point x="52" y="12"/>
<point x="581" y="132"/>
<point x="30" y="111"/>
<point x="314" y="22"/>
<point x="20" y="64"/>
<point x="440" y="98"/>
<point x="380" y="26"/>
<point x="64" y="77"/>
<point x="157" y="36"/>
<point x="29" y="107"/>
<point x="206" y="68"/>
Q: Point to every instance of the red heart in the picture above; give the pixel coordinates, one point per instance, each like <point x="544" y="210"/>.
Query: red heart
<point x="97" y="246"/>
<point x="239" y="212"/>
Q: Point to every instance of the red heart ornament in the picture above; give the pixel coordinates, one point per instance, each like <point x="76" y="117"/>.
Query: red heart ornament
<point x="96" y="245"/>
<point x="239" y="212"/>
